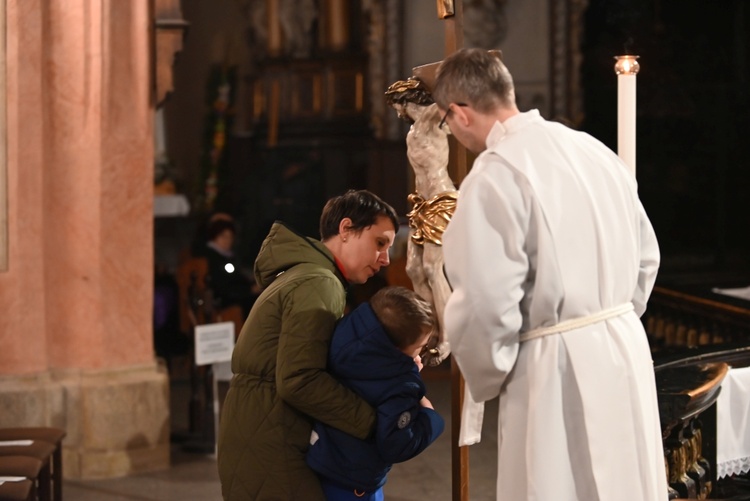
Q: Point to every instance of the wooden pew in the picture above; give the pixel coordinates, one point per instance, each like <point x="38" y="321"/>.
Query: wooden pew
<point x="52" y="467"/>
<point x="692" y="316"/>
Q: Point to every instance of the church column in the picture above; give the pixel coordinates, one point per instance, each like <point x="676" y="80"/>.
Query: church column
<point x="22" y="324"/>
<point x="91" y="257"/>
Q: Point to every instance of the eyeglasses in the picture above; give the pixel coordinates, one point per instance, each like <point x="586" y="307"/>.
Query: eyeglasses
<point x="442" y="121"/>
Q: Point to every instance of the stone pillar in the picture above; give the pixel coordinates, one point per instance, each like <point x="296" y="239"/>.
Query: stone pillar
<point x="78" y="294"/>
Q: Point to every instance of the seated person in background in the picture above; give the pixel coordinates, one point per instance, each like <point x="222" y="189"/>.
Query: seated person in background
<point x="375" y="351"/>
<point x="230" y="285"/>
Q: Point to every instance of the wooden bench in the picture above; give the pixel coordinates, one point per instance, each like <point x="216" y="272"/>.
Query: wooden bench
<point x="47" y="448"/>
<point x="22" y="466"/>
<point x="22" y="490"/>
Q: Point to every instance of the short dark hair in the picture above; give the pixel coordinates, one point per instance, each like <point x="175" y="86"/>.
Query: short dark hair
<point x="476" y="77"/>
<point x="403" y="314"/>
<point x="361" y="206"/>
<point x="218" y="226"/>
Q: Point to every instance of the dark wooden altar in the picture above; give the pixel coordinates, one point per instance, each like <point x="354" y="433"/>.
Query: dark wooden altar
<point x="696" y="335"/>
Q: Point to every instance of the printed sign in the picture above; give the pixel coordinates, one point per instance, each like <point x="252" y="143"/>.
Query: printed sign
<point x="214" y="343"/>
<point x="223" y="371"/>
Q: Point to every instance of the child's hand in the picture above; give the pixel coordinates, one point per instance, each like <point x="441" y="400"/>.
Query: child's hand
<point x="426" y="403"/>
<point x="418" y="361"/>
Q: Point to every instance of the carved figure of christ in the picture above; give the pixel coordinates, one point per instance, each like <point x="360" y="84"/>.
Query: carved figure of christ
<point x="427" y="151"/>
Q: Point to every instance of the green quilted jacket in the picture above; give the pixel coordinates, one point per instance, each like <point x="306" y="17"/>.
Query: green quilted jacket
<point x="280" y="383"/>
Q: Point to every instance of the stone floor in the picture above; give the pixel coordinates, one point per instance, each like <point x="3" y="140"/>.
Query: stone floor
<point x="193" y="476"/>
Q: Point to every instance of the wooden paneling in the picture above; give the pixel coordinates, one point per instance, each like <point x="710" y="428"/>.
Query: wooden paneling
<point x="169" y="29"/>
<point x="678" y="318"/>
<point x="318" y="90"/>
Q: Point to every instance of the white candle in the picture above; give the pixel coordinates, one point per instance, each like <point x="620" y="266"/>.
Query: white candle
<point x="626" y="68"/>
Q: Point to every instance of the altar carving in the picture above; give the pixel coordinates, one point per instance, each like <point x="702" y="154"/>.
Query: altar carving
<point x="487" y="21"/>
<point x="566" y="32"/>
<point x="434" y="201"/>
<point x="281" y="27"/>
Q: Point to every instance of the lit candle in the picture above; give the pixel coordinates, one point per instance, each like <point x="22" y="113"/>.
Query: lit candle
<point x="626" y="68"/>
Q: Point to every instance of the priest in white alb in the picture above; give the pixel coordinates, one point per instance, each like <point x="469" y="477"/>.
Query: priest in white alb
<point x="551" y="259"/>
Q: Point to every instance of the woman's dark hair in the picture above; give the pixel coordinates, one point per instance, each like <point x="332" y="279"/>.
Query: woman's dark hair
<point x="361" y="206"/>
<point x="403" y="314"/>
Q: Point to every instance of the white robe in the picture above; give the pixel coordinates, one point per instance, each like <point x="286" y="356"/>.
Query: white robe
<point x="548" y="227"/>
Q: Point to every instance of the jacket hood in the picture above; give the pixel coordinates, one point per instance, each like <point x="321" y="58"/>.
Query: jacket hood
<point x="284" y="248"/>
<point x="360" y="341"/>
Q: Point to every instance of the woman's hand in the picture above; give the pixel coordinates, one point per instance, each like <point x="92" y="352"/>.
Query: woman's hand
<point x="426" y="403"/>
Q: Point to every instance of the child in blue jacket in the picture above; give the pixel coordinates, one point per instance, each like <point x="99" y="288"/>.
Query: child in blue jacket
<point x="375" y="351"/>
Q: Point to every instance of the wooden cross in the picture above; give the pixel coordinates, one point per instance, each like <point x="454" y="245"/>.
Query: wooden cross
<point x="451" y="12"/>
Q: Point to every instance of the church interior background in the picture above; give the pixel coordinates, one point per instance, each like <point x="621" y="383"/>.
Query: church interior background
<point x="264" y="109"/>
<point x="694" y="70"/>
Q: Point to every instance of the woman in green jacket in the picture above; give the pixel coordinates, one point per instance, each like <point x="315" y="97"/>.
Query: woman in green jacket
<point x="280" y="384"/>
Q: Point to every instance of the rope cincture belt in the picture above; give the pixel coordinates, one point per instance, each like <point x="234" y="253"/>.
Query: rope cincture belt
<point x="576" y="323"/>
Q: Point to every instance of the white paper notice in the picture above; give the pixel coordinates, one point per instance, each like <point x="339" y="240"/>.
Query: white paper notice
<point x="11" y="443"/>
<point x="214" y="343"/>
<point x="223" y="371"/>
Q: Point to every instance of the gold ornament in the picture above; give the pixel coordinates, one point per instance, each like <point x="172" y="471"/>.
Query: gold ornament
<point x="429" y="218"/>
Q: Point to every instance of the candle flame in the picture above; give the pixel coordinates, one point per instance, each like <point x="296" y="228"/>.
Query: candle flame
<point x="627" y="65"/>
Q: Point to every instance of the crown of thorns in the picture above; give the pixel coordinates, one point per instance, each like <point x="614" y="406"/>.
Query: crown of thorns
<point x="411" y="90"/>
